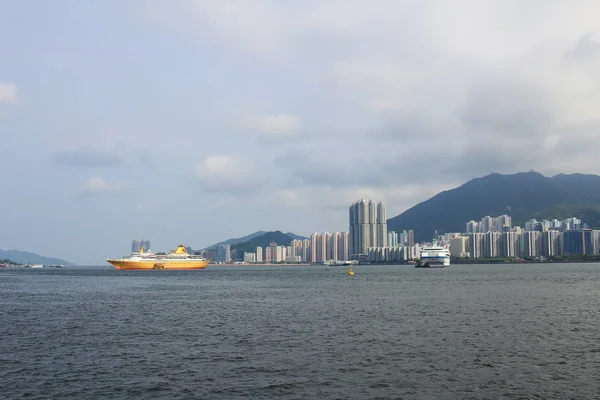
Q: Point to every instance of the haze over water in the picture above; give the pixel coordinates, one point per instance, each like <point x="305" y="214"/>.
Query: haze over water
<point x="468" y="331"/>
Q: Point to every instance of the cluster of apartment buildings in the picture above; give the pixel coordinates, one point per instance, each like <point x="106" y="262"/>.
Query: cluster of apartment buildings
<point x="496" y="237"/>
<point x="368" y="239"/>
<point x="367" y="231"/>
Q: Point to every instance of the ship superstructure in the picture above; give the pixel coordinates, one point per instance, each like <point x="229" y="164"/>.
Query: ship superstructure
<point x="434" y="256"/>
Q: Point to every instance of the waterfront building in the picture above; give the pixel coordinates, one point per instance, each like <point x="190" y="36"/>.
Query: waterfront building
<point x="223" y="253"/>
<point x="476" y="245"/>
<point x="491" y="244"/>
<point x="550" y="243"/>
<point x="249" y="258"/>
<point x="268" y="255"/>
<point x="392" y="239"/>
<point x="459" y="246"/>
<point x="259" y="254"/>
<point x="509" y="245"/>
<point x="343" y="246"/>
<point x="579" y="241"/>
<point x="324" y="247"/>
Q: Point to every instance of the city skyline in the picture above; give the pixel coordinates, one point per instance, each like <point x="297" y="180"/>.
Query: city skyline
<point x="118" y="119"/>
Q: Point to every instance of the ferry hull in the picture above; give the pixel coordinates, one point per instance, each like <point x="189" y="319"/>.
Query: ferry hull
<point x="434" y="262"/>
<point x="157" y="264"/>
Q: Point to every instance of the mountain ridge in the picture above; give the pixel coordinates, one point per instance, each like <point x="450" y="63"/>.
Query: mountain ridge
<point x="27" y="257"/>
<point x="523" y="196"/>
<point x="282" y="239"/>
<point x="251" y="236"/>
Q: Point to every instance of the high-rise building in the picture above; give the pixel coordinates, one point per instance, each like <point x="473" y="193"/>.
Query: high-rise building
<point x="509" y="244"/>
<point x="137" y="245"/>
<point x="343" y="246"/>
<point x="578" y="241"/>
<point x="531" y="244"/>
<point x="491" y="243"/>
<point x="268" y="255"/>
<point x="223" y="253"/>
<point x="368" y="226"/>
<point x="487" y="224"/>
<point x="381" y="226"/>
<point x="458" y="246"/>
<point x="410" y="241"/>
<point x="259" y="254"/>
<point x="392" y="239"/>
<point x="476" y="245"/>
<point x="323" y="247"/>
<point x="305" y="256"/>
<point x="550" y="243"/>
<point x="334" y="243"/>
<point x="296" y="249"/>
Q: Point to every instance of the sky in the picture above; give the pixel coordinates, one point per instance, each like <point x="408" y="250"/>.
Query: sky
<point x="194" y="121"/>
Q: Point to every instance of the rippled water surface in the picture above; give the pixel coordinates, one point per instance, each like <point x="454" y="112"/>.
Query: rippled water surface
<point x="476" y="331"/>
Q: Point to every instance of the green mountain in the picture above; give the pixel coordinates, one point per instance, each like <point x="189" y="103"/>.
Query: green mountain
<point x="282" y="239"/>
<point x="251" y="236"/>
<point x="26" y="257"/>
<point x="522" y="196"/>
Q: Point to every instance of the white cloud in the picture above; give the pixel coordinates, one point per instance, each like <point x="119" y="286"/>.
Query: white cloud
<point x="96" y="185"/>
<point x="224" y="173"/>
<point x="8" y="93"/>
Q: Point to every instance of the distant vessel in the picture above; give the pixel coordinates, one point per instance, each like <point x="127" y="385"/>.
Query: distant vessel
<point x="434" y="257"/>
<point x="179" y="259"/>
<point x="36" y="266"/>
<point x="336" y="263"/>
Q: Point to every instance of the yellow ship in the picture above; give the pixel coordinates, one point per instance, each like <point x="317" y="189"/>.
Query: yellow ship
<point x="177" y="260"/>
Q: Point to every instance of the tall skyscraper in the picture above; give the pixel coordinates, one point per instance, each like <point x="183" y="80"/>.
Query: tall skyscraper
<point x="137" y="245"/>
<point x="368" y="226"/>
<point x="381" y="226"/>
<point x="410" y="241"/>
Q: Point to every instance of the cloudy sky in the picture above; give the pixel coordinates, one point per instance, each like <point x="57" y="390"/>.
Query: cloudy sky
<point x="191" y="122"/>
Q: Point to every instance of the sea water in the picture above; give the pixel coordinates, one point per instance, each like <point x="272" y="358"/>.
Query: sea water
<point x="467" y="331"/>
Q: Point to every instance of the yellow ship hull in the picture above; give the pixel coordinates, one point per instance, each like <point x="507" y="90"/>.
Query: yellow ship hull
<point x="159" y="264"/>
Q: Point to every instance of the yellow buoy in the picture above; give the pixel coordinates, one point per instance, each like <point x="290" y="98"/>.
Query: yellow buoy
<point x="350" y="272"/>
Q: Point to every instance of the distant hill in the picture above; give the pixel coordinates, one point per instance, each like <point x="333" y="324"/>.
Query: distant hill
<point x="282" y="239"/>
<point x="26" y="257"/>
<point x="522" y="196"/>
<point x="295" y="237"/>
<point x="237" y="240"/>
<point x="252" y="236"/>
